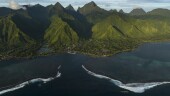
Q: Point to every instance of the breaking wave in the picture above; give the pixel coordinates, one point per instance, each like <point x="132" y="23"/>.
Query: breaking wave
<point x="133" y="87"/>
<point x="31" y="82"/>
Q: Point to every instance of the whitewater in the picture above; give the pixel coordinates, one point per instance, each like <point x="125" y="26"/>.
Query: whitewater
<point x="22" y="85"/>
<point x="133" y="87"/>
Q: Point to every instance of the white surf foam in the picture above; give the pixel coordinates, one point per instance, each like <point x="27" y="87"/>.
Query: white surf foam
<point x="133" y="87"/>
<point x="69" y="52"/>
<point x="31" y="82"/>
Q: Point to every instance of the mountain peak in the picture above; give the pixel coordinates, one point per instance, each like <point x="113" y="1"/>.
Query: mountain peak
<point x="70" y="7"/>
<point x="121" y="11"/>
<point x="90" y="8"/>
<point x="56" y="9"/>
<point x="113" y="10"/>
<point x="160" y="9"/>
<point x="138" y="11"/>
<point x="4" y="11"/>
<point x="160" y="12"/>
<point x="58" y="5"/>
<point x="92" y="3"/>
<point x="38" y="4"/>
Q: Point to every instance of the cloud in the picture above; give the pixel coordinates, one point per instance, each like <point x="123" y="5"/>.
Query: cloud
<point x="126" y="5"/>
<point x="150" y="1"/>
<point x="14" y="5"/>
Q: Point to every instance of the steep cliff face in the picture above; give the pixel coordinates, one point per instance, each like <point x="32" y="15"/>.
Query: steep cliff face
<point x="137" y="11"/>
<point x="10" y="34"/>
<point x="88" y="29"/>
<point x="60" y="33"/>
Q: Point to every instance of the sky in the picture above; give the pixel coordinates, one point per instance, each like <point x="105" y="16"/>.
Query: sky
<point x="126" y="5"/>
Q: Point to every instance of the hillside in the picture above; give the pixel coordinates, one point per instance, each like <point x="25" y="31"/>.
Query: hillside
<point x="119" y="26"/>
<point x="90" y="7"/>
<point x="121" y="11"/>
<point x="10" y="34"/>
<point x="60" y="34"/>
<point x="93" y="12"/>
<point x="14" y="42"/>
<point x="70" y="7"/>
<point x="90" y="30"/>
<point x="137" y="11"/>
<point x="160" y="12"/>
<point x="77" y="21"/>
<point x="4" y="11"/>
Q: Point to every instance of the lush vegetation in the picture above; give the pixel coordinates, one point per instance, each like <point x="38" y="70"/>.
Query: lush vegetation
<point x="92" y="30"/>
<point x="60" y="35"/>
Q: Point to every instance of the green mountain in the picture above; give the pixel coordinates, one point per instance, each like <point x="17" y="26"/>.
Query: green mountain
<point x="114" y="27"/>
<point x="89" y="8"/>
<point x="13" y="41"/>
<point x="93" y="12"/>
<point x="5" y="11"/>
<point x="70" y="7"/>
<point x="10" y="34"/>
<point x="137" y="11"/>
<point x="113" y="10"/>
<point x="160" y="12"/>
<point x="122" y="26"/>
<point x="33" y="21"/>
<point x="60" y="34"/>
<point x="76" y="20"/>
<point x="56" y="9"/>
<point x="90" y="30"/>
<point x="121" y="11"/>
<point x="21" y="30"/>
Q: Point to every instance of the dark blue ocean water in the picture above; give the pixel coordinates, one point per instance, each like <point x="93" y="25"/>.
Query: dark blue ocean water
<point x="75" y="81"/>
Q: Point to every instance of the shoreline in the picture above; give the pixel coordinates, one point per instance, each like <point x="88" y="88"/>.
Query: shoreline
<point x="26" y="70"/>
<point x="73" y="52"/>
<point x="85" y="53"/>
<point x="133" y="87"/>
<point x="32" y="81"/>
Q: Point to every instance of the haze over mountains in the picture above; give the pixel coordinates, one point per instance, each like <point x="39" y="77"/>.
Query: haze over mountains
<point x="88" y="28"/>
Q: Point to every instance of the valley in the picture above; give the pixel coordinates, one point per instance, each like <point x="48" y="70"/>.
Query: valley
<point x="90" y="30"/>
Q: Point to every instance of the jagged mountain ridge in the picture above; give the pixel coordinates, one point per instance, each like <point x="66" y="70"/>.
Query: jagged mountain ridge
<point x="10" y="34"/>
<point x="160" y="11"/>
<point x="60" y="33"/>
<point x="137" y="11"/>
<point x="89" y="8"/>
<point x="37" y="23"/>
<point x="70" y="7"/>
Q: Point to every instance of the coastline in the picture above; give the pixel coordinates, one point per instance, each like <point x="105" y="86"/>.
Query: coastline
<point x="85" y="53"/>
<point x="16" y="73"/>
<point x="130" y="84"/>
<point x="21" y="85"/>
<point x="133" y="87"/>
<point x="72" y="52"/>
